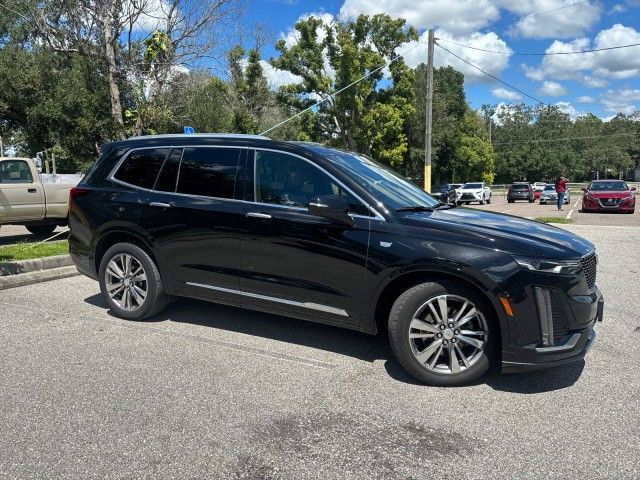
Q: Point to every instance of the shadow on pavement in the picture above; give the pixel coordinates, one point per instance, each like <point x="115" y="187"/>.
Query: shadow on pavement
<point x="29" y="237"/>
<point x="338" y="340"/>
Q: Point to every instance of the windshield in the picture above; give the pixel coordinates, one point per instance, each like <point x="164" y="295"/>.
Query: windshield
<point x="609" y="186"/>
<point x="470" y="186"/>
<point x="550" y="187"/>
<point x="383" y="184"/>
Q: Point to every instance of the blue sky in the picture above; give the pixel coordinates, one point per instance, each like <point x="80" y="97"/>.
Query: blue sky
<point x="604" y="83"/>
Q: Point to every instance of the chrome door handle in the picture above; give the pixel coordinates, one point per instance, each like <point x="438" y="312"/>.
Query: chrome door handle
<point x="264" y="216"/>
<point x="160" y="204"/>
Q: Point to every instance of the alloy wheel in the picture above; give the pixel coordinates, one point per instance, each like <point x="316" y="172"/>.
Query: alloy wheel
<point x="126" y="282"/>
<point x="448" y="334"/>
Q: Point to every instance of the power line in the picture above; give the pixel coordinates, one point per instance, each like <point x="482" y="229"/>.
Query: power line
<point x="490" y="75"/>
<point x="332" y="95"/>
<point x="538" y="54"/>
<point x="531" y="15"/>
<point x="548" y="140"/>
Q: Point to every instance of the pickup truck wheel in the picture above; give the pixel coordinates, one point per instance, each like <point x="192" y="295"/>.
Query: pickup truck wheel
<point x="442" y="333"/>
<point x="41" y="230"/>
<point x="130" y="282"/>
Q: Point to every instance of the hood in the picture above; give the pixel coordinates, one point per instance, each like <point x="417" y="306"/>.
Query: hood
<point x="514" y="235"/>
<point x="610" y="193"/>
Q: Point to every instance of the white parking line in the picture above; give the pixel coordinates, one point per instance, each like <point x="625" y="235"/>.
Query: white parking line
<point x="569" y="214"/>
<point x="576" y="204"/>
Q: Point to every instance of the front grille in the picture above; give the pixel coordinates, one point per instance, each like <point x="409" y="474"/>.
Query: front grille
<point x="468" y="196"/>
<point x="609" y="202"/>
<point x="559" y="319"/>
<point x="589" y="263"/>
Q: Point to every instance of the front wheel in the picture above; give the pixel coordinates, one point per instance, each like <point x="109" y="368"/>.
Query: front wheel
<point x="489" y="199"/>
<point x="130" y="282"/>
<point x="442" y="334"/>
<point x="482" y="201"/>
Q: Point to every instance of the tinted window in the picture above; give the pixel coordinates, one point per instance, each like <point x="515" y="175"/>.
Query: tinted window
<point x="382" y="183"/>
<point x="15" y="171"/>
<point x="141" y="167"/>
<point x="210" y="172"/>
<point x="472" y="185"/>
<point x="287" y="180"/>
<point x="169" y="174"/>
<point x="520" y="187"/>
<point x="550" y="187"/>
<point x="609" y="186"/>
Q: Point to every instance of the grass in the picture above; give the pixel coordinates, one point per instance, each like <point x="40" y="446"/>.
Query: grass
<point x="553" y="220"/>
<point x="26" y="251"/>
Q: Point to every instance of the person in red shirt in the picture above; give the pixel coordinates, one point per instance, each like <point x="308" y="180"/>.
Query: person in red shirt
<point x="561" y="190"/>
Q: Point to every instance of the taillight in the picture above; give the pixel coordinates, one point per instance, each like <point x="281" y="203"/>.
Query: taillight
<point x="77" y="192"/>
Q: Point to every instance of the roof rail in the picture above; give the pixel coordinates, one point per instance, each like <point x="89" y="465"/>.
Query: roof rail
<point x="208" y="135"/>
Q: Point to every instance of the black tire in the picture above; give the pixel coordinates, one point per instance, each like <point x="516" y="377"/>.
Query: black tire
<point x="155" y="299"/>
<point x="531" y="200"/>
<point x="41" y="230"/>
<point x="481" y="202"/>
<point x="400" y="320"/>
<point x="510" y="201"/>
<point x="489" y="200"/>
<point x="459" y="203"/>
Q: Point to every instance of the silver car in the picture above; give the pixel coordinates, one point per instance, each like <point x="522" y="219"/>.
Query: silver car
<point x="549" y="195"/>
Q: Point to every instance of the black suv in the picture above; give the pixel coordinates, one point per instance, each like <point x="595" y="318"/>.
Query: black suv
<point x="320" y="234"/>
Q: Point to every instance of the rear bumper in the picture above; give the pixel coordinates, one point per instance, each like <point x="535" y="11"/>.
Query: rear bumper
<point x="573" y="346"/>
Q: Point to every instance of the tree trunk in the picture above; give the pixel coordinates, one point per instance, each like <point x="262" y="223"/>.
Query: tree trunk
<point x="114" y="89"/>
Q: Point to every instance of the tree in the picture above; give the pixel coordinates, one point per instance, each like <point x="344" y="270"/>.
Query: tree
<point x="474" y="156"/>
<point x="370" y="116"/>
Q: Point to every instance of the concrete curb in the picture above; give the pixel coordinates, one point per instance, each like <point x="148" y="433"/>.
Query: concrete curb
<point x="21" y="279"/>
<point x="33" y="265"/>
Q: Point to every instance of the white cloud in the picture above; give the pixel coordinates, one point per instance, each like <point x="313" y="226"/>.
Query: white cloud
<point x="505" y="93"/>
<point x="618" y="8"/>
<point x="552" y="89"/>
<point x="276" y="78"/>
<point x="617" y="64"/>
<point x="621" y="101"/>
<point x="459" y="16"/>
<point x="489" y="62"/>
<point x="566" y="23"/>
<point x="153" y="16"/>
<point x="566" y="107"/>
<point x="585" y="99"/>
<point x="291" y="36"/>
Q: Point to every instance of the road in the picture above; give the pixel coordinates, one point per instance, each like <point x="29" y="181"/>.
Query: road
<point x="17" y="233"/>
<point x="207" y="391"/>
<point x="570" y="211"/>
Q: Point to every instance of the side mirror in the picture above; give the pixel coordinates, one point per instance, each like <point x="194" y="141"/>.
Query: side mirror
<point x="633" y="189"/>
<point x="332" y="207"/>
<point x="583" y="189"/>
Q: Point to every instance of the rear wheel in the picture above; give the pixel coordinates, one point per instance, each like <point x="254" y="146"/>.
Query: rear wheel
<point x="41" y="230"/>
<point x="130" y="282"/>
<point x="442" y="334"/>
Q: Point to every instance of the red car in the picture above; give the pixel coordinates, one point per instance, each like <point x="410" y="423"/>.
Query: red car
<point x="608" y="196"/>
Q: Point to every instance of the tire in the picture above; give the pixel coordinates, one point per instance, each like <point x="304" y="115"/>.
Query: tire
<point x="481" y="202"/>
<point x="531" y="200"/>
<point x="437" y="366"/>
<point x="41" y="230"/>
<point x="154" y="299"/>
<point x="510" y="201"/>
<point x="489" y="200"/>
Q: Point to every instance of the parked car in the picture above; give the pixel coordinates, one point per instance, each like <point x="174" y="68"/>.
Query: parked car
<point x="538" y="186"/>
<point x="609" y="196"/>
<point x="520" y="191"/>
<point x="549" y="195"/>
<point x="474" y="192"/>
<point x="324" y="235"/>
<point x="447" y="192"/>
<point x="39" y="202"/>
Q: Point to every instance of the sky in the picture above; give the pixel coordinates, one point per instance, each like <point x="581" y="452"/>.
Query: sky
<point x="604" y="83"/>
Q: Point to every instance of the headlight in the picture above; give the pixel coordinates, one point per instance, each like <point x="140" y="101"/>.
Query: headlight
<point x="566" y="267"/>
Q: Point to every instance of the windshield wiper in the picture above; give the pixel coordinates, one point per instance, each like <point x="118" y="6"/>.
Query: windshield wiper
<point x="415" y="208"/>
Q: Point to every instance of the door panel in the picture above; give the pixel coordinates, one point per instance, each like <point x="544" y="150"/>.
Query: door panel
<point x="196" y="237"/>
<point x="21" y="196"/>
<point x="295" y="263"/>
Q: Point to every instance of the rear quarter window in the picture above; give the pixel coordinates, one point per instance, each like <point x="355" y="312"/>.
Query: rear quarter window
<point x="141" y="167"/>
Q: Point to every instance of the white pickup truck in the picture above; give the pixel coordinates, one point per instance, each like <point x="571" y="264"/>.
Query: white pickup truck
<point x="40" y="202"/>
<point x="474" y="192"/>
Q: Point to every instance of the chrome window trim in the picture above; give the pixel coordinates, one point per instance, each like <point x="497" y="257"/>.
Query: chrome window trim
<point x="308" y="305"/>
<point x="376" y="215"/>
<point x="111" y="178"/>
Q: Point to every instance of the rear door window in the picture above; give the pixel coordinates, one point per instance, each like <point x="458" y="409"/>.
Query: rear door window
<point x="141" y="167"/>
<point x="209" y="171"/>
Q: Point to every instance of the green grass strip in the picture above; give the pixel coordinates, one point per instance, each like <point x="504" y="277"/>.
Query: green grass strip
<point x="27" y="251"/>
<point x="553" y="220"/>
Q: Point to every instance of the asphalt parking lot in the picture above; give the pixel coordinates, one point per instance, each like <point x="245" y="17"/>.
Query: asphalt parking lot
<point x="572" y="211"/>
<point x="10" y="234"/>
<point x="206" y="391"/>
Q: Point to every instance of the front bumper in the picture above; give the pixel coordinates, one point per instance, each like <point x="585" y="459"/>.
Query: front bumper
<point x="573" y="324"/>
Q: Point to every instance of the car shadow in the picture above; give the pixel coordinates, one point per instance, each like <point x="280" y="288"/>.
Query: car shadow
<point x="29" y="237"/>
<point x="339" y="340"/>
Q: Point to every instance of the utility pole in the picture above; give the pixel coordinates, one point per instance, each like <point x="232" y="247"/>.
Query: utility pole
<point x="429" y="118"/>
<point x="1" y="147"/>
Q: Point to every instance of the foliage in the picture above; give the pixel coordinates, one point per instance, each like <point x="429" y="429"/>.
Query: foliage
<point x="553" y="220"/>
